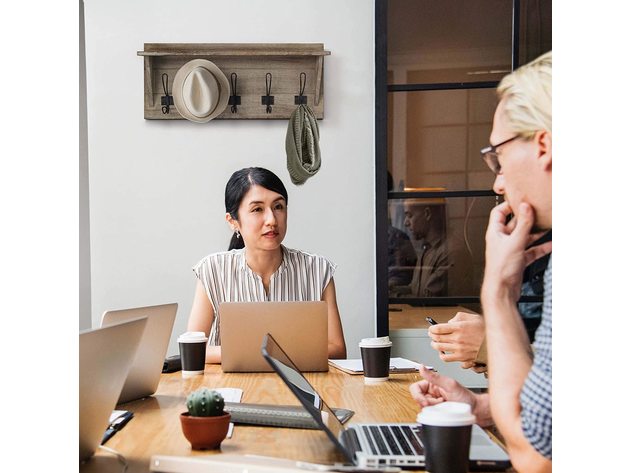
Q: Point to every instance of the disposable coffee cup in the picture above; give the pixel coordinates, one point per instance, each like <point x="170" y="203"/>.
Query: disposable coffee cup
<point x="445" y="433"/>
<point x="192" y="350"/>
<point x="375" y="353"/>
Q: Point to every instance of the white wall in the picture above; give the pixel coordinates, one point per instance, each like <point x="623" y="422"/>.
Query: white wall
<point x="85" y="292"/>
<point x="156" y="187"/>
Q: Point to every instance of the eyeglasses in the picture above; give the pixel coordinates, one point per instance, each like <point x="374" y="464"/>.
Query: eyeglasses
<point x="491" y="157"/>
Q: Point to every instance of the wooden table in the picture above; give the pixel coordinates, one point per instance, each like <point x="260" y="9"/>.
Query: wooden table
<point x="404" y="316"/>
<point x="408" y="331"/>
<point x="155" y="428"/>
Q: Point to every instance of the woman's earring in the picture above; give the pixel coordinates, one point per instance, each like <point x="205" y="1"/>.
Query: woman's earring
<point x="238" y="234"/>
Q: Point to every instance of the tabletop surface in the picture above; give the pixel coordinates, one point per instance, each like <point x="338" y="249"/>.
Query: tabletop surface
<point x="404" y="316"/>
<point x="156" y="430"/>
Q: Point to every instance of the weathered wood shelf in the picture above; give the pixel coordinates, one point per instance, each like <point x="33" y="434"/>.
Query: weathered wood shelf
<point x="251" y="62"/>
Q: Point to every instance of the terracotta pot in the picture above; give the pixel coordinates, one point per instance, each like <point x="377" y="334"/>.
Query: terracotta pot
<point x="205" y="432"/>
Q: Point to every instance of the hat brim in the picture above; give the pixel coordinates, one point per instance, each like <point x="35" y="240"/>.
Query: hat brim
<point x="222" y="80"/>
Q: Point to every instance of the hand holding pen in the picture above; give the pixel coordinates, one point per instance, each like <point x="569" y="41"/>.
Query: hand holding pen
<point x="460" y="339"/>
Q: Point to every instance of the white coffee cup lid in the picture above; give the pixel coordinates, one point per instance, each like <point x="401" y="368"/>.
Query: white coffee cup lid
<point x="375" y="342"/>
<point x="447" y="414"/>
<point x="192" y="337"/>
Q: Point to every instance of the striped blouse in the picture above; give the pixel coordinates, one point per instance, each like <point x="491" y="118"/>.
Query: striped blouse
<point x="226" y="277"/>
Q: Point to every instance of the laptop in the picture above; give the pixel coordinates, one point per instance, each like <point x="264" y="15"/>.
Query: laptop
<point x="147" y="365"/>
<point x="105" y="356"/>
<point x="301" y="327"/>
<point x="373" y="445"/>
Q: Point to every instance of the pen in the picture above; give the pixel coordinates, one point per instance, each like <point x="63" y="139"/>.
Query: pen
<point x="116" y="425"/>
<point x="433" y="322"/>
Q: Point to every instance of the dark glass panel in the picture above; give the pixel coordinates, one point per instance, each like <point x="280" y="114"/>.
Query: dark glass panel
<point x="449" y="40"/>
<point x="434" y="138"/>
<point x="436" y="246"/>
<point x="535" y="29"/>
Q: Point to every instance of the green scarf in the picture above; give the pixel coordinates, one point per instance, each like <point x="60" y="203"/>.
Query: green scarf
<point x="302" y="145"/>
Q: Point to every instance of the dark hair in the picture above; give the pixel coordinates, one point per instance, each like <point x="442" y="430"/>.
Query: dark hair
<point x="240" y="183"/>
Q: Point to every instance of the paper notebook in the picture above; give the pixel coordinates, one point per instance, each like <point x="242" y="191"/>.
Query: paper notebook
<point x="355" y="366"/>
<point x="230" y="395"/>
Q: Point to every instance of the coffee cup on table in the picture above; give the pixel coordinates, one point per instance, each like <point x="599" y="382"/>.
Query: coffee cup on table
<point x="445" y="433"/>
<point x="375" y="353"/>
<point x="192" y="350"/>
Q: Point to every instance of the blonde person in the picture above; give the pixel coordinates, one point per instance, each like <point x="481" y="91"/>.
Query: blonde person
<point x="519" y="399"/>
<point x="257" y="267"/>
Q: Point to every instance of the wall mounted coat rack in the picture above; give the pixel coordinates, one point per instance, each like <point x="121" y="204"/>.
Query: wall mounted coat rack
<point x="266" y="80"/>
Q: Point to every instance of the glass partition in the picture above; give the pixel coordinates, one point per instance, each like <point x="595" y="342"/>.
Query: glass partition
<point x="436" y="246"/>
<point x="448" y="40"/>
<point x="434" y="138"/>
<point x="437" y="67"/>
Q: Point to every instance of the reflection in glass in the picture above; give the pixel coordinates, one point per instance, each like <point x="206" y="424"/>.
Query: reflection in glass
<point x="303" y="390"/>
<point x="434" y="138"/>
<point x="449" y="245"/>
<point x="434" y="135"/>
<point x="299" y="382"/>
<point x="401" y="254"/>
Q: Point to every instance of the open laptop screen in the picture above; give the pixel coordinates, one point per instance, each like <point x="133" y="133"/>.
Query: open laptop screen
<point x="304" y="391"/>
<point x="300" y="327"/>
<point x="485" y="454"/>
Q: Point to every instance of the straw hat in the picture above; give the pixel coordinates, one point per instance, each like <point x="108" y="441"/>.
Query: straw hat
<point x="200" y="91"/>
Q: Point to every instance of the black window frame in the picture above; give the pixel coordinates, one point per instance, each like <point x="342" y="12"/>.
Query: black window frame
<point x="382" y="89"/>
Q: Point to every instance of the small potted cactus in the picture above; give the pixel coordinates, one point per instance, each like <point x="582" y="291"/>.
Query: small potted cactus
<point x="205" y="425"/>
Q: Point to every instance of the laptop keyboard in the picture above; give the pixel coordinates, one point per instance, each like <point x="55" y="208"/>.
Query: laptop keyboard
<point x="393" y="439"/>
<point x="279" y="416"/>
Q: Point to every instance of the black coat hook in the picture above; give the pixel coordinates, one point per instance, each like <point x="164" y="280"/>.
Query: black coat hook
<point x="234" y="100"/>
<point x="268" y="98"/>
<point x="301" y="99"/>
<point x="167" y="100"/>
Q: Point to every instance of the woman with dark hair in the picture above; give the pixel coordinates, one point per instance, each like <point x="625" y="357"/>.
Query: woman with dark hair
<point x="257" y="267"/>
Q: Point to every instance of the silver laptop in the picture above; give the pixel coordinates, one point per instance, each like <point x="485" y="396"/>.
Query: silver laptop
<point x="301" y="327"/>
<point x="105" y="356"/>
<point x="373" y="445"/>
<point x="146" y="369"/>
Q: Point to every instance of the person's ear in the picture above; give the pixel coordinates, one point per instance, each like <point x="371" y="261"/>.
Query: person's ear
<point x="231" y="222"/>
<point x="543" y="142"/>
<point x="427" y="213"/>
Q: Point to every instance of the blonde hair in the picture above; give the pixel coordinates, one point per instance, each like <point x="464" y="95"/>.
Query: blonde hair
<point x="526" y="96"/>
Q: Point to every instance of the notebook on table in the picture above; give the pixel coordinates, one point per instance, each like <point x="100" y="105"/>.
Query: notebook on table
<point x="373" y="445"/>
<point x="105" y="357"/>
<point x="144" y="375"/>
<point x="301" y="327"/>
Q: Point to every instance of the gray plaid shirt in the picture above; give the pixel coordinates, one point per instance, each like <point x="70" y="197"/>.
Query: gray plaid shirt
<point x="536" y="392"/>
